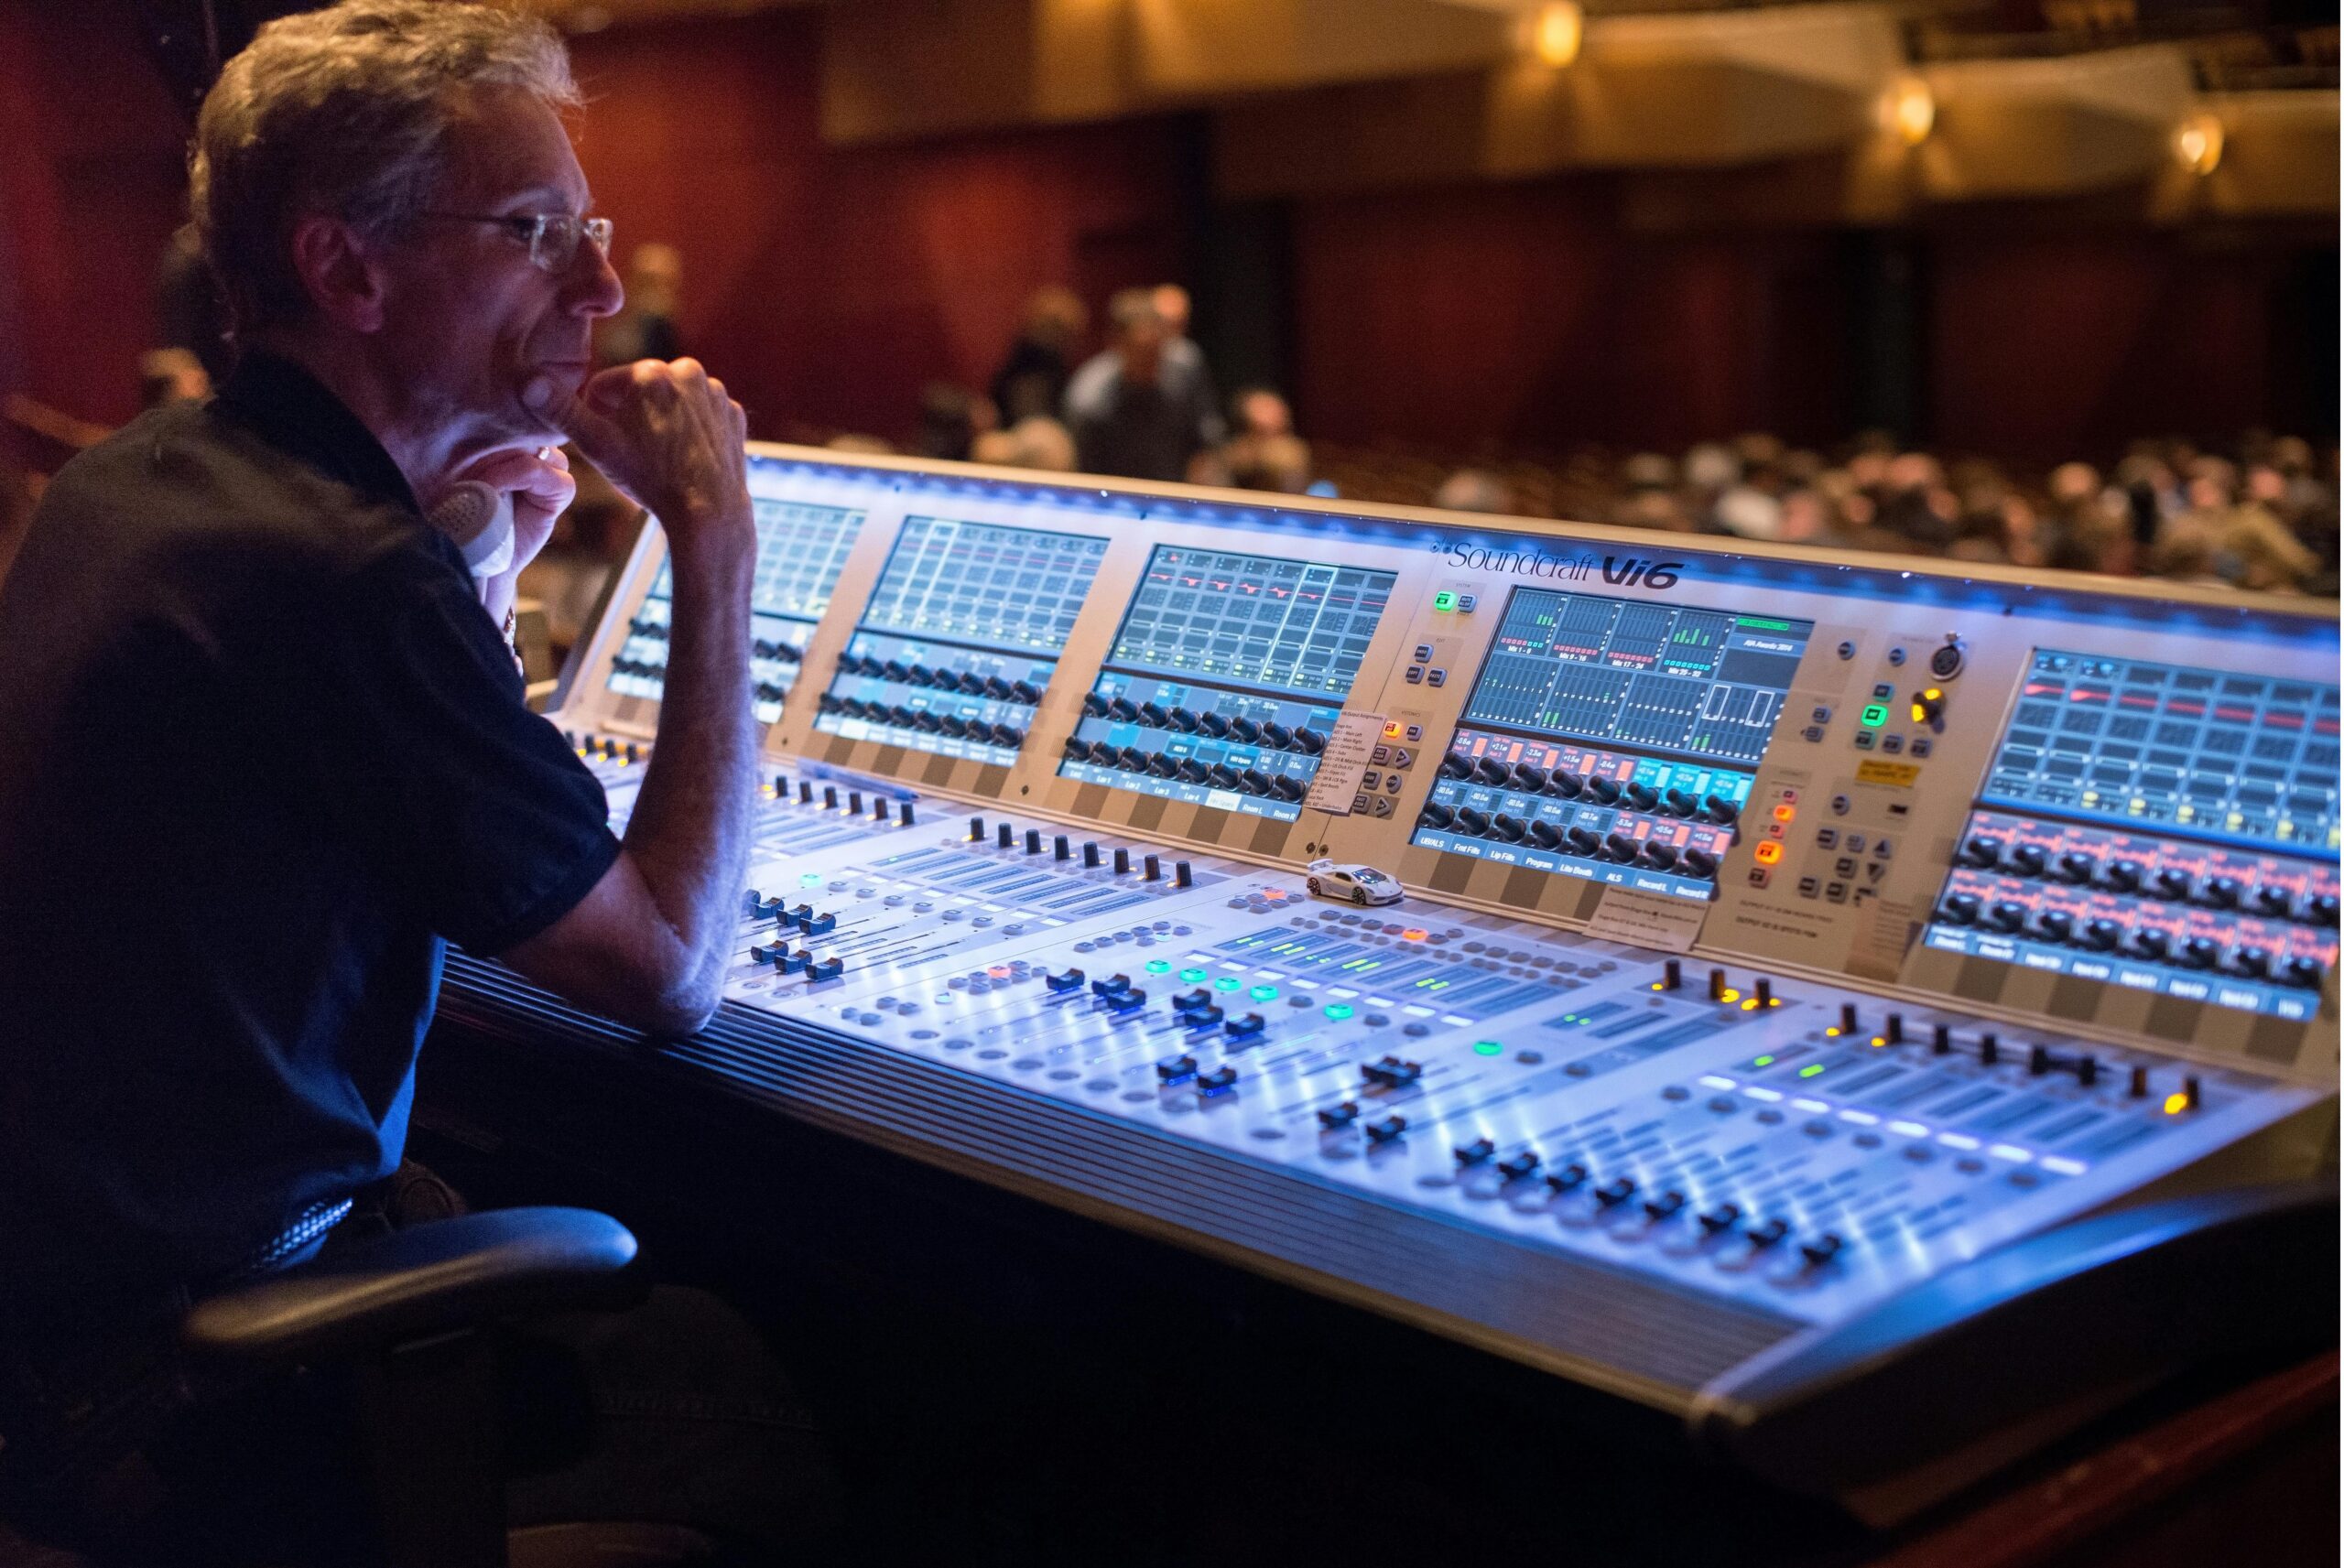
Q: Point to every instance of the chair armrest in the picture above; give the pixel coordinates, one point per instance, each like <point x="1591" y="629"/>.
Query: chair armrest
<point x="416" y="1282"/>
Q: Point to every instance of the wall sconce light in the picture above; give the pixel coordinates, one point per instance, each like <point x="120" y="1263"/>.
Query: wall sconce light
<point x="1552" y="32"/>
<point x="1908" y="109"/>
<point x="2198" y="143"/>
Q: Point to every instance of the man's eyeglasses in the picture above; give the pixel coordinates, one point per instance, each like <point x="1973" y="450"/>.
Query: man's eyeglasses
<point x="552" y="237"/>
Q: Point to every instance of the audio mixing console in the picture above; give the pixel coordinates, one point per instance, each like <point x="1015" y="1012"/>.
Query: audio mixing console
<point x="1790" y="943"/>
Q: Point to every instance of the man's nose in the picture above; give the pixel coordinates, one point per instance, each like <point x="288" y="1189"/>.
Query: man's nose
<point x="594" y="284"/>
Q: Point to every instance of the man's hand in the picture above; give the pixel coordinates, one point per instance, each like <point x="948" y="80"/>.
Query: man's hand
<point x="669" y="438"/>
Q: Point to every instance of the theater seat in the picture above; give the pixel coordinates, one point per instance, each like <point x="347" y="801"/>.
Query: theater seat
<point x="404" y="1313"/>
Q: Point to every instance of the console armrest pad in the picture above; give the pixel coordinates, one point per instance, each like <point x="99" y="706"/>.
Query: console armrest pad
<point x="2096" y="1305"/>
<point x="415" y="1282"/>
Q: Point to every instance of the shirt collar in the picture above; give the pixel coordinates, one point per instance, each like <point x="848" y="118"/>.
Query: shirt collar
<point x="293" y="411"/>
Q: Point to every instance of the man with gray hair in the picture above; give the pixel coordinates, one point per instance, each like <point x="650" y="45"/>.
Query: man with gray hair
<point x="267" y="752"/>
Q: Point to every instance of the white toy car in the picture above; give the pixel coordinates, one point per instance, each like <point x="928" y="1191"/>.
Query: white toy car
<point x="1351" y="884"/>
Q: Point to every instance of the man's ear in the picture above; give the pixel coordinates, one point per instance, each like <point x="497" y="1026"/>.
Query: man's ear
<point x="345" y="284"/>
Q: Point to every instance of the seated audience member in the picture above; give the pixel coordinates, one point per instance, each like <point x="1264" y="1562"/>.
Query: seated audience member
<point x="1133" y="412"/>
<point x="247" y="597"/>
<point x="1280" y="463"/>
<point x="1036" y="441"/>
<point x="1259" y="411"/>
<point x="1475" y="490"/>
<point x="1033" y="376"/>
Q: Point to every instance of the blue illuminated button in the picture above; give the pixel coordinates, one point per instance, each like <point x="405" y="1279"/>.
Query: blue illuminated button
<point x="1158" y="966"/>
<point x="1227" y="983"/>
<point x="1263" y="993"/>
<point x="1192" y="976"/>
<point x="1488" y="1048"/>
<point x="1337" y="1010"/>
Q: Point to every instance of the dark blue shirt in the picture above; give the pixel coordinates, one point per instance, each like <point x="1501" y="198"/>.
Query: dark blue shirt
<point x="262" y="753"/>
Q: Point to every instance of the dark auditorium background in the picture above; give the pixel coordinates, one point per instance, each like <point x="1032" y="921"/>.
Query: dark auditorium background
<point x="831" y="282"/>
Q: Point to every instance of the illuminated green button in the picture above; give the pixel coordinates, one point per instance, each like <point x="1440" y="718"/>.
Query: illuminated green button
<point x="1263" y="993"/>
<point x="1192" y="976"/>
<point x="1875" y="714"/>
<point x="1227" y="983"/>
<point x="1444" y="600"/>
<point x="1761" y="1061"/>
<point x="1338" y="1011"/>
<point x="1810" y="1072"/>
<point x="1158" y="966"/>
<point x="1487" y="1048"/>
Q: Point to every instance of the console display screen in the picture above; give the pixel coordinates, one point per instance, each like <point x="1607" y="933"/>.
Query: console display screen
<point x="1226" y="677"/>
<point x="1614" y="740"/>
<point x="800" y="550"/>
<point x="960" y="638"/>
<point x="2161" y="828"/>
<point x="2247" y="759"/>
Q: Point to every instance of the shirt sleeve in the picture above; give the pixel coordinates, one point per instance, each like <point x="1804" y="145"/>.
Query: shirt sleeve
<point x="474" y="808"/>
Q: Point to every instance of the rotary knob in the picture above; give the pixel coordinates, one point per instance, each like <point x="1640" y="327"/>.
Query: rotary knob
<point x="1245" y="729"/>
<point x="1456" y="765"/>
<point x="2077" y="867"/>
<point x="2028" y="860"/>
<point x="1213" y="724"/>
<point x="2008" y="916"/>
<point x="1566" y="786"/>
<point x="1960" y="909"/>
<point x="1544" y="834"/>
<point x="1983" y="852"/>
<point x="1528" y="778"/>
<point x="1474" y="822"/>
<point x="1508" y="829"/>
<point x="1604" y="789"/>
<point x="1153" y="716"/>
<point x="1435" y="815"/>
<point x="1490" y="771"/>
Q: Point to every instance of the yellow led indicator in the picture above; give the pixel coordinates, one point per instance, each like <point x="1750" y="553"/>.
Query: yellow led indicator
<point x="2175" y="1104"/>
<point x="1833" y="1032"/>
<point x="1729" y="994"/>
<point x="1750" y="1006"/>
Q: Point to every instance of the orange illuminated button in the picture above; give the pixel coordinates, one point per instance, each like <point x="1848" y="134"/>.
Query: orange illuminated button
<point x="1392" y="731"/>
<point x="1413" y="934"/>
<point x="1785" y="813"/>
<point x="1769" y="852"/>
